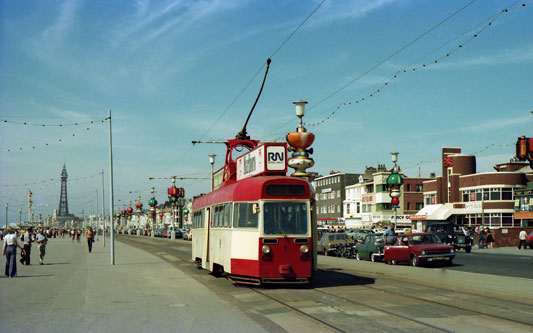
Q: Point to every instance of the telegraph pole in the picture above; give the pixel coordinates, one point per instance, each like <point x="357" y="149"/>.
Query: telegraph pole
<point x="103" y="209"/>
<point x="111" y="203"/>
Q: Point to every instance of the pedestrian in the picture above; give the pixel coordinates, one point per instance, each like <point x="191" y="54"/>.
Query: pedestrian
<point x="41" y="240"/>
<point x="27" y="240"/>
<point x="522" y="237"/>
<point x="481" y="239"/>
<point x="73" y="234"/>
<point x="90" y="238"/>
<point x="490" y="238"/>
<point x="389" y="235"/>
<point x="78" y="235"/>
<point x="9" y="250"/>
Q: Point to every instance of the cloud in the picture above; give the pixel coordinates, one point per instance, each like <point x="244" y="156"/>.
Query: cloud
<point x="55" y="34"/>
<point x="333" y="11"/>
<point x="493" y="124"/>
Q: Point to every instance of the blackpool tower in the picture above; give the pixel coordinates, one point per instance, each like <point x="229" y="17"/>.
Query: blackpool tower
<point x="63" y="201"/>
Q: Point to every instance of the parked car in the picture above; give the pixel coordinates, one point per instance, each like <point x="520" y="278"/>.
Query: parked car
<point x="417" y="249"/>
<point x="529" y="240"/>
<point x="447" y="234"/>
<point x="358" y="234"/>
<point x="371" y="248"/>
<point x="330" y="241"/>
<point x="159" y="232"/>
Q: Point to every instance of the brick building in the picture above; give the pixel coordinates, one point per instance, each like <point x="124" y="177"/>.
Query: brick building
<point x="462" y="196"/>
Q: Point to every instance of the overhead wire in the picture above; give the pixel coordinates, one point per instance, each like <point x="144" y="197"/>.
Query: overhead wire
<point x="254" y="77"/>
<point x="491" y="20"/>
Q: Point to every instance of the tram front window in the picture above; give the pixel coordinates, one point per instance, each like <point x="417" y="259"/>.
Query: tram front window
<point x="282" y="218"/>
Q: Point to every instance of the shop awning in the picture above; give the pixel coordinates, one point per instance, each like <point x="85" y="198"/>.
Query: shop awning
<point x="438" y="212"/>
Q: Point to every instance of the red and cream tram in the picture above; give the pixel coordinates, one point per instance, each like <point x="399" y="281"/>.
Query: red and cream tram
<point x="255" y="226"/>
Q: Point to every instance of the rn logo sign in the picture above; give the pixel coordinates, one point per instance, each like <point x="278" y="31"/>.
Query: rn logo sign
<point x="276" y="158"/>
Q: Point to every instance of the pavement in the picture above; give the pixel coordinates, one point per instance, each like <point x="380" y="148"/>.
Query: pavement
<point x="513" y="250"/>
<point x="77" y="291"/>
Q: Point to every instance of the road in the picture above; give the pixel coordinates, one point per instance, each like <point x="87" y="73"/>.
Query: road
<point x="495" y="264"/>
<point x="349" y="296"/>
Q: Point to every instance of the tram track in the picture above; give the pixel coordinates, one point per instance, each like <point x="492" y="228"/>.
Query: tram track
<point x="333" y="293"/>
<point x="337" y="329"/>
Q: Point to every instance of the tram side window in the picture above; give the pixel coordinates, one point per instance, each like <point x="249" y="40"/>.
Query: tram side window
<point x="198" y="219"/>
<point x="244" y="216"/>
<point x="227" y="215"/>
<point x="219" y="216"/>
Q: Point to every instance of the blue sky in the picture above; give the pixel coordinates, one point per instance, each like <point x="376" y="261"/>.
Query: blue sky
<point x="168" y="70"/>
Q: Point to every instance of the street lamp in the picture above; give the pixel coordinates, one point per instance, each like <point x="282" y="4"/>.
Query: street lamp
<point x="299" y="143"/>
<point x="394" y="183"/>
<point x="152" y="203"/>
<point x="212" y="161"/>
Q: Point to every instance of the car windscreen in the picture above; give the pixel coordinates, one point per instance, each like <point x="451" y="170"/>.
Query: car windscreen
<point x="424" y="239"/>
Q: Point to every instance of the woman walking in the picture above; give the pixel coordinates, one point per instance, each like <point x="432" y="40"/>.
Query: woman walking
<point x="90" y="238"/>
<point x="9" y="250"/>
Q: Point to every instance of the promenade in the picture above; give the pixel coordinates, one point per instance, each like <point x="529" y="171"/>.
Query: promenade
<point x="75" y="291"/>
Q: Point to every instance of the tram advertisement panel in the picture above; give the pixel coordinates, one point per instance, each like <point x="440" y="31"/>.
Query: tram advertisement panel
<point x="265" y="158"/>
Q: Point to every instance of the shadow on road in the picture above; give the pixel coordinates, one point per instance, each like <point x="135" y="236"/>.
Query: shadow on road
<point x="333" y="277"/>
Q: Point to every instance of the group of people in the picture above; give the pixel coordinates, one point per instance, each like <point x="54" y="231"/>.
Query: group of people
<point x="485" y="238"/>
<point x="9" y="248"/>
<point x="11" y="243"/>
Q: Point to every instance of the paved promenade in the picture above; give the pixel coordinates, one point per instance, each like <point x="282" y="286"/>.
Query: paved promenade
<point x="75" y="291"/>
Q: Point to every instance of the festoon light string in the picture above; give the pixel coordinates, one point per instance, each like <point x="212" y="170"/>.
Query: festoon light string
<point x="33" y="147"/>
<point x="421" y="66"/>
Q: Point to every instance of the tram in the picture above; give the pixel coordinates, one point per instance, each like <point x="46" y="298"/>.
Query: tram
<point x="255" y="226"/>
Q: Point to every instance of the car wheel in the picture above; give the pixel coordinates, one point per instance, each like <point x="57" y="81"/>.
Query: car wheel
<point x="357" y="256"/>
<point x="448" y="262"/>
<point x="394" y="262"/>
<point x="414" y="261"/>
<point x="372" y="257"/>
<point x="468" y="249"/>
<point x="531" y="246"/>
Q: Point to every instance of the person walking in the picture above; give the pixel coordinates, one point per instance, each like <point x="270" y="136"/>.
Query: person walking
<point x="389" y="235"/>
<point x="490" y="238"/>
<point x="481" y="239"/>
<point x="78" y="235"/>
<point x="41" y="240"/>
<point x="90" y="238"/>
<point x="522" y="237"/>
<point x="27" y="240"/>
<point x="9" y="250"/>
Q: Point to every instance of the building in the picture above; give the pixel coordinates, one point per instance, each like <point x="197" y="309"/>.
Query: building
<point x="523" y="205"/>
<point x="464" y="197"/>
<point x="368" y="203"/>
<point x="330" y="194"/>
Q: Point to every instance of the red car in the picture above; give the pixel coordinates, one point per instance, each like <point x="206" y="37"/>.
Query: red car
<point x="418" y="248"/>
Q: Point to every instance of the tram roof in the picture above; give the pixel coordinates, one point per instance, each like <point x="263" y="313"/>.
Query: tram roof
<point x="250" y="189"/>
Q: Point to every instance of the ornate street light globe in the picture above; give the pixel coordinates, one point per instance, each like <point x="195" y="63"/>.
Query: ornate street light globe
<point x="152" y="202"/>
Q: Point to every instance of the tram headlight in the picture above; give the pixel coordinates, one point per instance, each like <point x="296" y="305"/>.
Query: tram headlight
<point x="304" y="249"/>
<point x="266" y="249"/>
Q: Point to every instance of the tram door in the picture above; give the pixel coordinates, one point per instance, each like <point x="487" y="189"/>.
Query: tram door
<point x="207" y="232"/>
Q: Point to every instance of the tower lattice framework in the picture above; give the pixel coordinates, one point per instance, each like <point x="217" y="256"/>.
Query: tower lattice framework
<point x="63" y="200"/>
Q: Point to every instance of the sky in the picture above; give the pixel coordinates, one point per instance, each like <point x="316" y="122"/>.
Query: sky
<point x="172" y="71"/>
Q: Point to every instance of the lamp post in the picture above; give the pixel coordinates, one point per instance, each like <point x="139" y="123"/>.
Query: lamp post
<point x="7" y="205"/>
<point x="394" y="183"/>
<point x="152" y="203"/>
<point x="299" y="142"/>
<point x="212" y="161"/>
